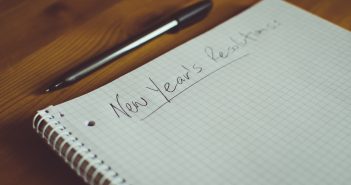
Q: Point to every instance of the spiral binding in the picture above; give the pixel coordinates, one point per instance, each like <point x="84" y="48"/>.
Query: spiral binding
<point x="80" y="150"/>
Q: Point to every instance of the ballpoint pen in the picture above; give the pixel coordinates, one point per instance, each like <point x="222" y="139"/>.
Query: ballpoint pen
<point x="180" y="20"/>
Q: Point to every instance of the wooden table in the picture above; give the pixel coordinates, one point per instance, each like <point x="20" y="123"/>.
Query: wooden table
<point x="41" y="39"/>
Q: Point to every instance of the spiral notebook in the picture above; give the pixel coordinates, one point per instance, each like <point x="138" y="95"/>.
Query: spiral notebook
<point x="264" y="98"/>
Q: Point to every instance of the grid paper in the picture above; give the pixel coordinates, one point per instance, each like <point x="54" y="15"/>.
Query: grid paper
<point x="266" y="100"/>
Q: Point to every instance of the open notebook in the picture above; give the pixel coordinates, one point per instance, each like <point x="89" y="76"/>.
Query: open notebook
<point x="262" y="99"/>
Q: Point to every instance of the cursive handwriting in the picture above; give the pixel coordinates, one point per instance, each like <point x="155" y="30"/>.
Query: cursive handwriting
<point x="237" y="43"/>
<point x="190" y="75"/>
<point x="129" y="107"/>
<point x="170" y="87"/>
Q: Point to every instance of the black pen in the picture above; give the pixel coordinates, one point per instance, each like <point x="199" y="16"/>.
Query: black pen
<point x="180" y="20"/>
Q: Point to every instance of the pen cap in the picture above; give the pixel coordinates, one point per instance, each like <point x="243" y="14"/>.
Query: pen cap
<point x="192" y="14"/>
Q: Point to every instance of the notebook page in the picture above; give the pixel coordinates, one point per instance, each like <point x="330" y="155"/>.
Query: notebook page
<point x="264" y="98"/>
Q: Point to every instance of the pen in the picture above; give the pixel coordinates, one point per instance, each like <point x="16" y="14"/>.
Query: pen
<point x="180" y="20"/>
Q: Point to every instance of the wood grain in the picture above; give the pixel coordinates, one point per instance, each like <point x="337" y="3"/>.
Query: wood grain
<point x="40" y="39"/>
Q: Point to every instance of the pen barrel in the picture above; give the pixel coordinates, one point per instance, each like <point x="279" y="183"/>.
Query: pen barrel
<point x="180" y="20"/>
<point x="192" y="14"/>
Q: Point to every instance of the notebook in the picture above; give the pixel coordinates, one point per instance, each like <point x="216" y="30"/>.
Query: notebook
<point x="263" y="98"/>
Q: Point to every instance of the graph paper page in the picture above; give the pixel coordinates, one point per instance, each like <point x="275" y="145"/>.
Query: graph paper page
<point x="264" y="98"/>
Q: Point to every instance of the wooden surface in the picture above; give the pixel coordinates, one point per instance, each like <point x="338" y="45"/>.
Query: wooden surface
<point x="40" y="39"/>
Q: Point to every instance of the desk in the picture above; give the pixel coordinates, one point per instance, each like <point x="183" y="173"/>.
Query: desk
<point x="41" y="39"/>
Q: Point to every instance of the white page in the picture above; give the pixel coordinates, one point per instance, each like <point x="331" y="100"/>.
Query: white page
<point x="275" y="109"/>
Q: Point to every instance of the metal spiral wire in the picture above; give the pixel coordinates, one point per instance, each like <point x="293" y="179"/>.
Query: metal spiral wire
<point x="71" y="142"/>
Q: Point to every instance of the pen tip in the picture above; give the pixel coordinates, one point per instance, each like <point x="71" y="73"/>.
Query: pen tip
<point x="55" y="87"/>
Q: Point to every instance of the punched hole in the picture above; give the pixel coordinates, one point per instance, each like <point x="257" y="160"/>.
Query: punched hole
<point x="90" y="123"/>
<point x="61" y="114"/>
